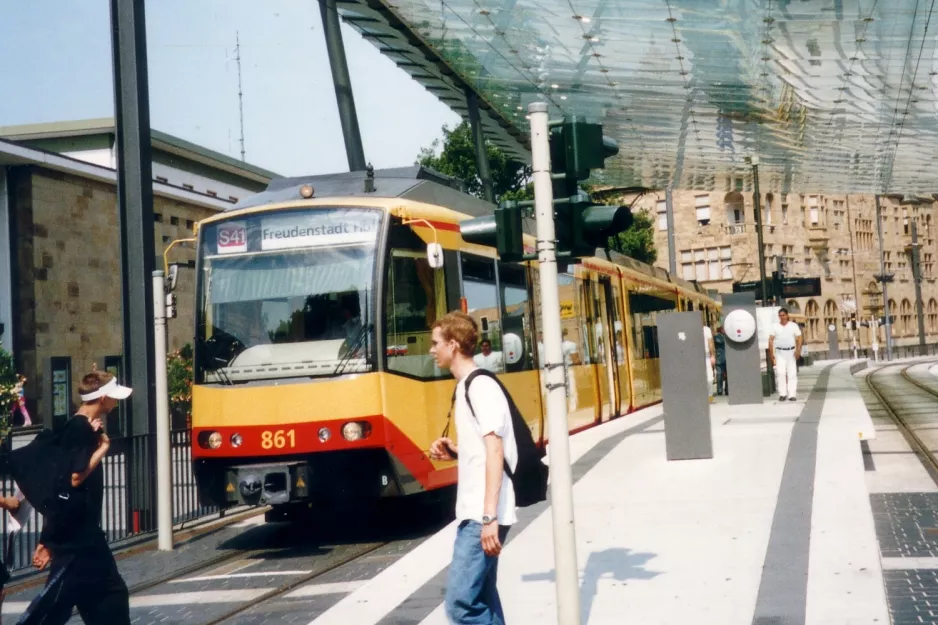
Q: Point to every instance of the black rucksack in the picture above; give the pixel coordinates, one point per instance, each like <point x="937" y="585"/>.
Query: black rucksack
<point x="529" y="478"/>
<point x="41" y="470"/>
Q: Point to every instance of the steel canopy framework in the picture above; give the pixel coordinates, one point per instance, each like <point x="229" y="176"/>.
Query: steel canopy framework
<point x="830" y="95"/>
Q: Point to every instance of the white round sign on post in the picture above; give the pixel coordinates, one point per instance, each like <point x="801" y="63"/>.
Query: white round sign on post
<point x="513" y="348"/>
<point x="739" y="326"/>
<point x="832" y="327"/>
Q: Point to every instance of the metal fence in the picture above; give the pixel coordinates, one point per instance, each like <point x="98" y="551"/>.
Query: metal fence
<point x="898" y="351"/>
<point x="129" y="507"/>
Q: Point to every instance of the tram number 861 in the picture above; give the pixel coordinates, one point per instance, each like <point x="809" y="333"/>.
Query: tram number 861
<point x="278" y="439"/>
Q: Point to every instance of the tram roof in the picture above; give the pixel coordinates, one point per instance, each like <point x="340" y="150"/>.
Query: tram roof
<point x="833" y="96"/>
<point x="416" y="183"/>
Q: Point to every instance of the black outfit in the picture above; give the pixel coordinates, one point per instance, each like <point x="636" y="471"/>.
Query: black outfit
<point x="83" y="572"/>
<point x="719" y="342"/>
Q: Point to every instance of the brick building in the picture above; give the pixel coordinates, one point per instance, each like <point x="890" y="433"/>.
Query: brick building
<point x="833" y="237"/>
<point x="60" y="274"/>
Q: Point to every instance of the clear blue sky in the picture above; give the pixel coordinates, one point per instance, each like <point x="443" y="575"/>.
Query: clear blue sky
<point x="55" y="64"/>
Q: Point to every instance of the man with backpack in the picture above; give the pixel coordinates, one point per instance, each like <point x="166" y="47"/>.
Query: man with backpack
<point x="488" y="457"/>
<point x="61" y="475"/>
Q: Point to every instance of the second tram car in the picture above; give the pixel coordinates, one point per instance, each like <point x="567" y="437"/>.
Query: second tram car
<point x="313" y="379"/>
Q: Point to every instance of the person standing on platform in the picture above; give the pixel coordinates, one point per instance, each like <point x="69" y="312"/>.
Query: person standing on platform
<point x="711" y="359"/>
<point x="487" y="359"/>
<point x="485" y="497"/>
<point x="83" y="572"/>
<point x="719" y="343"/>
<point x="784" y="347"/>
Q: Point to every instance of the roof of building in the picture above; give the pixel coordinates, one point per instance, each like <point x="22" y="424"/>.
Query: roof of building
<point x="18" y="154"/>
<point x="160" y="140"/>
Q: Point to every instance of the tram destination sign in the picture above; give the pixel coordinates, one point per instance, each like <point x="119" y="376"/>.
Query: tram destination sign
<point x="791" y="287"/>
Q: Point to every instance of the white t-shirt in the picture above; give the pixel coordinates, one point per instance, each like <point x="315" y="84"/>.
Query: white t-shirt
<point x="492" y="362"/>
<point x="491" y="415"/>
<point x="708" y="336"/>
<point x="785" y="335"/>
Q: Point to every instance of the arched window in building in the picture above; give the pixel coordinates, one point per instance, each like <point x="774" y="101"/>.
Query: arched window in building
<point x="830" y="316"/>
<point x="735" y="208"/>
<point x="793" y="306"/>
<point x="767" y="208"/>
<point x="932" y="316"/>
<point x="812" y="316"/>
<point x="905" y="317"/>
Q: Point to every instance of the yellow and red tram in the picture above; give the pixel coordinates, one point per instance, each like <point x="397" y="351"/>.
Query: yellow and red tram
<point x="313" y="380"/>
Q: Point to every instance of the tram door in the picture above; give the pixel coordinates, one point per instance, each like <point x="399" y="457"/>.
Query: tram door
<point x="605" y="346"/>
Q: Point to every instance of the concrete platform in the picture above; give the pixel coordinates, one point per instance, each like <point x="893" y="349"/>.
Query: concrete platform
<point x="776" y="528"/>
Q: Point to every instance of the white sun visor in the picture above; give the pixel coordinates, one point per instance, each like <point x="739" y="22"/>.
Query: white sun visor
<point x="111" y="389"/>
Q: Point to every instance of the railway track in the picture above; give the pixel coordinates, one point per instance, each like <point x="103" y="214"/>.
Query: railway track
<point x="910" y="400"/>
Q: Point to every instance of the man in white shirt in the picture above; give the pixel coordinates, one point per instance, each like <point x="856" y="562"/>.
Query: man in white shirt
<point x="488" y="360"/>
<point x="485" y="498"/>
<point x="784" y="347"/>
<point x="710" y="357"/>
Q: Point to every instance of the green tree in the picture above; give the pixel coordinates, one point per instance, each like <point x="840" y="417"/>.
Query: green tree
<point x="456" y="158"/>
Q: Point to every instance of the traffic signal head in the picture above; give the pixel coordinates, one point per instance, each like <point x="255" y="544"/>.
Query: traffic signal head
<point x="582" y="226"/>
<point x="501" y="230"/>
<point x="576" y="147"/>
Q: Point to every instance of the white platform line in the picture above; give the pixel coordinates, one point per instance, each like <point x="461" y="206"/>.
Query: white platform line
<point x="900" y="564"/>
<point x="316" y="590"/>
<point x="212" y="578"/>
<point x="178" y="598"/>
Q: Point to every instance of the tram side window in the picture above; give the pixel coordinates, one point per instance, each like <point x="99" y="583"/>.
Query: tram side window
<point x="574" y="319"/>
<point x="481" y="293"/>
<point x="416" y="298"/>
<point x="517" y="318"/>
<point x="644" y="309"/>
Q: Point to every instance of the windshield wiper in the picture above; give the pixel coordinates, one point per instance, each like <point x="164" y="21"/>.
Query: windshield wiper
<point x="352" y="349"/>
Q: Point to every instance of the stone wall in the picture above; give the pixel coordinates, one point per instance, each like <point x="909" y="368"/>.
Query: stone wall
<point x="69" y="277"/>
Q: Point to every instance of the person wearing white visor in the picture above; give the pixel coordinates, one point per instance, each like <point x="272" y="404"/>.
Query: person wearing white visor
<point x="83" y="573"/>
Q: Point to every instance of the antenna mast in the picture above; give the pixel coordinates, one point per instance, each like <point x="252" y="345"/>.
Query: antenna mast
<point x="240" y="93"/>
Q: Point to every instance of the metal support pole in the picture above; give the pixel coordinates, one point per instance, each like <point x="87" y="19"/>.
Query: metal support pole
<point x="561" y="478"/>
<point x="478" y="141"/>
<point x="135" y="205"/>
<point x="342" y="85"/>
<point x="672" y="253"/>
<point x="917" y="278"/>
<point x="164" y="472"/>
<point x="882" y="270"/>
<point x="757" y="203"/>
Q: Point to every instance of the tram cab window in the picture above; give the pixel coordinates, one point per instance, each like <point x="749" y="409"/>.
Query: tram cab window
<point x="517" y="318"/>
<point x="482" y="303"/>
<point x="644" y="310"/>
<point x="416" y="298"/>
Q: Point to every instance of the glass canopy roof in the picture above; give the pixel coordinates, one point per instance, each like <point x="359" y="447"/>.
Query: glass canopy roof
<point x="830" y="95"/>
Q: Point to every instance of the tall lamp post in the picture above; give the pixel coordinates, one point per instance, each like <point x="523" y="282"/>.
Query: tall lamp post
<point x="757" y="207"/>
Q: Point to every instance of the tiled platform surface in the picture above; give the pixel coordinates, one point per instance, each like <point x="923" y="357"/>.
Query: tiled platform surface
<point x="776" y="528"/>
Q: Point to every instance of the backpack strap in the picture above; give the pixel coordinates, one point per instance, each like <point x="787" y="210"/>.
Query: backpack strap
<point x="488" y="374"/>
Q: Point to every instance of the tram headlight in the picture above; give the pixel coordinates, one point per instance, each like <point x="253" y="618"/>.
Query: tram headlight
<point x="214" y="440"/>
<point x="352" y="431"/>
<point x="324" y="435"/>
<point x="236" y="440"/>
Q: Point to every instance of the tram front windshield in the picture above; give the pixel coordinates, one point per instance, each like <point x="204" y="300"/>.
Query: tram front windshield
<point x="286" y="295"/>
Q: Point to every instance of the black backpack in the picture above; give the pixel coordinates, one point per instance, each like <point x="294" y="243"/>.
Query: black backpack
<point x="41" y="470"/>
<point x="529" y="478"/>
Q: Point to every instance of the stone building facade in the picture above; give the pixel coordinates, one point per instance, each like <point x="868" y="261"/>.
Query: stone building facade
<point x="60" y="265"/>
<point x="833" y="237"/>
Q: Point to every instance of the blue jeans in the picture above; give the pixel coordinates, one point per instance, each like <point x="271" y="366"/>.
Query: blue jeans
<point x="471" y="594"/>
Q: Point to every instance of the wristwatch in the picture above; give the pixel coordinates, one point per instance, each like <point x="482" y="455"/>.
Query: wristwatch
<point x="486" y="519"/>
